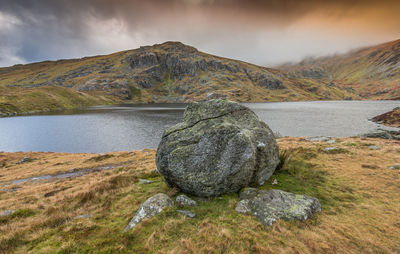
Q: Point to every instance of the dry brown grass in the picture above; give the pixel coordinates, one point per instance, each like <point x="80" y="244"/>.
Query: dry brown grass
<point x="360" y="206"/>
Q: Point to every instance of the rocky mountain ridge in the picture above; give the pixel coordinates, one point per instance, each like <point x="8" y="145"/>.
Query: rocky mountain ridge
<point x="168" y="72"/>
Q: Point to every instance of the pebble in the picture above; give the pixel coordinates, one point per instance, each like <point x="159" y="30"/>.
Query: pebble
<point x="186" y="213"/>
<point x="7" y="213"/>
<point x="145" y="181"/>
<point x="83" y="216"/>
<point x="318" y="139"/>
<point x="330" y="149"/>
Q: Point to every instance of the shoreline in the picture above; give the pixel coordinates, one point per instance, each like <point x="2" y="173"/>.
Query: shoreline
<point x="50" y="112"/>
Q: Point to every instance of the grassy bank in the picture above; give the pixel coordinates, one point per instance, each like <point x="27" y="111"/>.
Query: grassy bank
<point x="50" y="98"/>
<point x="358" y="193"/>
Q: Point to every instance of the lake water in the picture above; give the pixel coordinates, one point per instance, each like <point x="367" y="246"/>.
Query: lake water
<point x="131" y="127"/>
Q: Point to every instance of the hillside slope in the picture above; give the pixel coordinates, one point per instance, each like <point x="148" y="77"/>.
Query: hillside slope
<point x="369" y="73"/>
<point x="168" y="72"/>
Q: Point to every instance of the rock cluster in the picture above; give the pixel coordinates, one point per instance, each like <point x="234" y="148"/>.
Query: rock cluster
<point x="220" y="147"/>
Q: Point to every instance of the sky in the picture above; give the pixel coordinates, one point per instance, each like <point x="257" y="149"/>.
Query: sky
<point x="268" y="32"/>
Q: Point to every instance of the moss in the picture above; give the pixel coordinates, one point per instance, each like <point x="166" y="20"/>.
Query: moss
<point x="23" y="213"/>
<point x="135" y="92"/>
<point x="302" y="177"/>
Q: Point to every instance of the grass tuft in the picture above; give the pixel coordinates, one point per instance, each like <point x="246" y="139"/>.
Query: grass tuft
<point x="284" y="158"/>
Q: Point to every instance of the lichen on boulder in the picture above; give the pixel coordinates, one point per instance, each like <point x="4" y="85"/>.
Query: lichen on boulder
<point x="220" y="147"/>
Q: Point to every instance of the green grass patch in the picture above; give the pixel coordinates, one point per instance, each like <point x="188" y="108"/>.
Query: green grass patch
<point x="135" y="92"/>
<point x="22" y="213"/>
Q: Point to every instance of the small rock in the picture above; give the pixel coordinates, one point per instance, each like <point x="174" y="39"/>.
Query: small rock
<point x="83" y="216"/>
<point x="270" y="205"/>
<point x="332" y="141"/>
<point x="274" y="182"/>
<point x="150" y="208"/>
<point x="373" y="147"/>
<point x="145" y="181"/>
<point x="183" y="200"/>
<point x="7" y="213"/>
<point x="186" y="213"/>
<point x="379" y="134"/>
<point x="248" y="193"/>
<point x="328" y="149"/>
<point x="318" y="139"/>
<point x="243" y="207"/>
<point x="25" y="159"/>
<point x="395" y="167"/>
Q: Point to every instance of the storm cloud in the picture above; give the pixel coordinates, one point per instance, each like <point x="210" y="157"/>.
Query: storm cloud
<point x="262" y="32"/>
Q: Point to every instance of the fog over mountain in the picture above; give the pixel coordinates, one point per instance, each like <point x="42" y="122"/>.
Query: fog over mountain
<point x="262" y="32"/>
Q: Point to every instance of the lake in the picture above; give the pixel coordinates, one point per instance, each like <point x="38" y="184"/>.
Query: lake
<point x="131" y="127"/>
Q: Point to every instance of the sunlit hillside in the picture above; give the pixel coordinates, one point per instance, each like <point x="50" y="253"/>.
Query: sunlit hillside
<point x="168" y="72"/>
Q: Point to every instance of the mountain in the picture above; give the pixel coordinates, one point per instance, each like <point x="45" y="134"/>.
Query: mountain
<point x="367" y="73"/>
<point x="168" y="72"/>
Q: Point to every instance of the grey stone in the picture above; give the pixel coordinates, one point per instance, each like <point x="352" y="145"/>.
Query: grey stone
<point x="24" y="160"/>
<point x="379" y="134"/>
<point x="318" y="139"/>
<point x="83" y="216"/>
<point x="183" y="200"/>
<point x="7" y="213"/>
<point x="145" y="181"/>
<point x="151" y="207"/>
<point x="186" y="213"/>
<point x="395" y="167"/>
<point x="217" y="149"/>
<point x="248" y="193"/>
<point x="328" y="149"/>
<point x="243" y="206"/>
<point x="270" y="205"/>
<point x="332" y="141"/>
<point x="373" y="147"/>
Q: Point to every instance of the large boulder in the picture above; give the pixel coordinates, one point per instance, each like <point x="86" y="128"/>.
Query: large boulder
<point x="220" y="147"/>
<point x="270" y="205"/>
